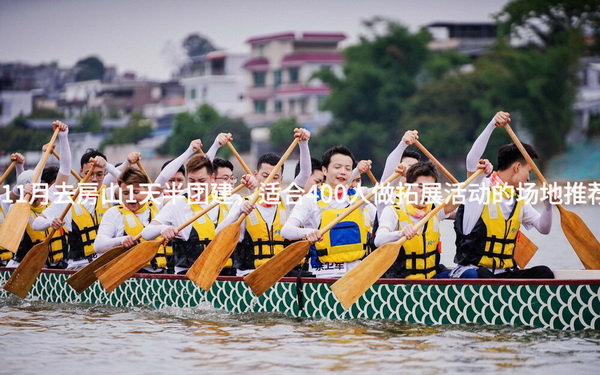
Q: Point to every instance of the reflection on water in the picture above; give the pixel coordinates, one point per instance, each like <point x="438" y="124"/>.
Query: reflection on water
<point x="38" y="337"/>
<point x="100" y="339"/>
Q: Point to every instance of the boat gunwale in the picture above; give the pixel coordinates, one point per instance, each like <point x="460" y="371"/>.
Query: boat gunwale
<point x="380" y="281"/>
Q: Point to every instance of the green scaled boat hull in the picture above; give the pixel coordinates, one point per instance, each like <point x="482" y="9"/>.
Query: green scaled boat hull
<point x="558" y="304"/>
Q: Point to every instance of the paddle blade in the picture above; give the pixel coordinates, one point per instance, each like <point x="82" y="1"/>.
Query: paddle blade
<point x="24" y="276"/>
<point x="209" y="264"/>
<point x="582" y="239"/>
<point x="275" y="268"/>
<point x="524" y="250"/>
<point x="358" y="280"/>
<point x="13" y="227"/>
<point x="85" y="277"/>
<point x="123" y="267"/>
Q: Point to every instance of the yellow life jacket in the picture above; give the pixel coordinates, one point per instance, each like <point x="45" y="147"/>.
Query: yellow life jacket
<point x="419" y="256"/>
<point x="492" y="241"/>
<point x="5" y="255"/>
<point x="203" y="231"/>
<point x="347" y="240"/>
<point x="206" y="229"/>
<point x="261" y="243"/>
<point x="133" y="227"/>
<point x="56" y="248"/>
<point x="85" y="226"/>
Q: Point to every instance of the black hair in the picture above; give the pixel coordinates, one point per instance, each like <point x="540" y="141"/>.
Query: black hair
<point x="91" y="153"/>
<point x="421" y="168"/>
<point x="221" y="163"/>
<point x="181" y="168"/>
<point x="315" y="166"/>
<point x="49" y="174"/>
<point x="337" y="150"/>
<point x="411" y="154"/>
<point x="509" y="153"/>
<point x="268" y="158"/>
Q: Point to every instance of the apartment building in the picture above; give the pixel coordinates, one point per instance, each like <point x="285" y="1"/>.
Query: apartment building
<point x="279" y="77"/>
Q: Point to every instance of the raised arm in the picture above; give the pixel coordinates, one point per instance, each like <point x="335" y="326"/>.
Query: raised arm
<point x="481" y="142"/>
<point x="64" y="170"/>
<point x="170" y="169"/>
<point x="395" y="157"/>
<point x="305" y="164"/>
<point x="220" y="140"/>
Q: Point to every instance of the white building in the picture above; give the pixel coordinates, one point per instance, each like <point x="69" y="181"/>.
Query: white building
<point x="279" y="72"/>
<point x="78" y="97"/>
<point x="13" y="104"/>
<point x="588" y="98"/>
<point x="221" y="84"/>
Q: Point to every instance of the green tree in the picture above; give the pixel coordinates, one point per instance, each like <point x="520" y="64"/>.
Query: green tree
<point x="542" y="80"/>
<point x="17" y="137"/>
<point x="197" y="45"/>
<point x="90" y="121"/>
<point x="281" y="133"/>
<point x="46" y="113"/>
<point x="204" y="124"/>
<point x="137" y="129"/>
<point x="89" y="68"/>
<point x="380" y="73"/>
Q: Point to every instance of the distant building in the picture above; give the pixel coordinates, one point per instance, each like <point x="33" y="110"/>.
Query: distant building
<point x="78" y="97"/>
<point x="470" y="38"/>
<point x="13" y="104"/>
<point x="278" y="74"/>
<point x="587" y="104"/>
<point x="218" y="81"/>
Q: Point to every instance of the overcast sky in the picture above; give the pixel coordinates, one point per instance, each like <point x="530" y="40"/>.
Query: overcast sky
<point x="144" y="36"/>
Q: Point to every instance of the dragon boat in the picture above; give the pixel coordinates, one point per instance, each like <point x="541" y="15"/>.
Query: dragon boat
<point x="570" y="302"/>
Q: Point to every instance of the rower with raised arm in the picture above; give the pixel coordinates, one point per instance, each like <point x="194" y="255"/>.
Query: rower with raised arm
<point x="189" y="243"/>
<point x="487" y="229"/>
<point x="84" y="217"/>
<point x="260" y="233"/>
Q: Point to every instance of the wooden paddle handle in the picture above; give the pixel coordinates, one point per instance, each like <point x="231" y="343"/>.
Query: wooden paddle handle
<point x="239" y="158"/>
<point x="7" y="172"/>
<point x="357" y="204"/>
<point x="525" y="154"/>
<point x="275" y="169"/>
<point x="141" y="167"/>
<point x="437" y="209"/>
<point x="73" y="173"/>
<point x="436" y="162"/>
<point x="371" y="177"/>
<point x="38" y="172"/>
<point x="205" y="210"/>
<point x="75" y="195"/>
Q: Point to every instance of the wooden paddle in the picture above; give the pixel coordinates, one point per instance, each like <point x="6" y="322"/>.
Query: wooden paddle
<point x="73" y="173"/>
<point x="85" y="277"/>
<point x="524" y="248"/>
<point x="582" y="239"/>
<point x="358" y="280"/>
<point x="24" y="276"/>
<point x="209" y="264"/>
<point x="124" y="266"/>
<point x="283" y="262"/>
<point x="17" y="217"/>
<point x="141" y="167"/>
<point x="239" y="158"/>
<point x="371" y="177"/>
<point x="7" y="172"/>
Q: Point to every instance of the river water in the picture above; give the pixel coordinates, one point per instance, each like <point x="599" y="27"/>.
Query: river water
<point x="38" y="337"/>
